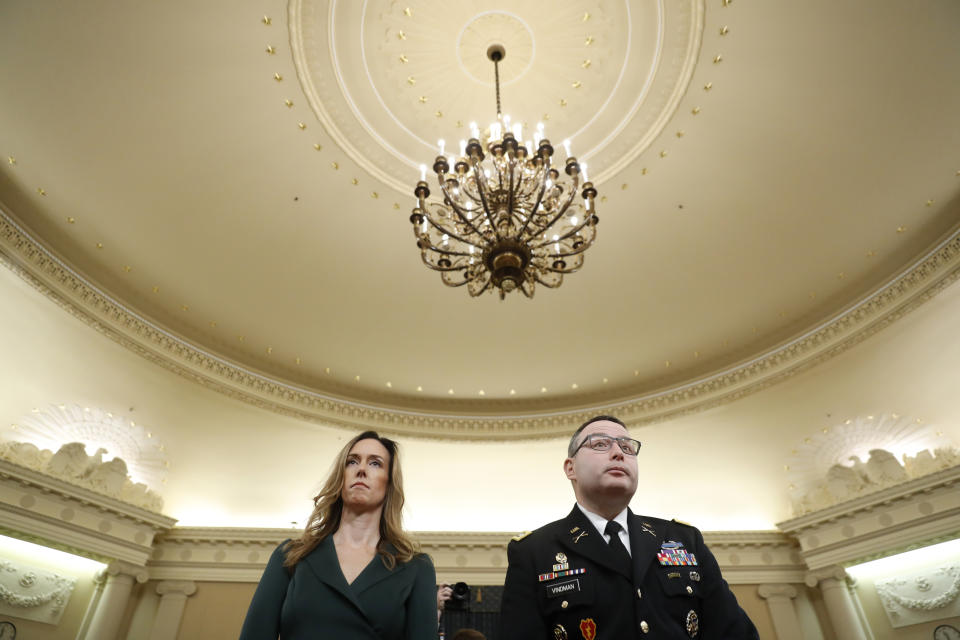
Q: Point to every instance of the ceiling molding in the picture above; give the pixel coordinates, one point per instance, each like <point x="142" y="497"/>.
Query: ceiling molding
<point x="26" y="256"/>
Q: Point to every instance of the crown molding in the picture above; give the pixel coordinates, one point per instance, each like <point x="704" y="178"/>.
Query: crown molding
<point x="755" y="557"/>
<point x="477" y="558"/>
<point x="910" y="514"/>
<point x="37" y="507"/>
<point x="41" y="268"/>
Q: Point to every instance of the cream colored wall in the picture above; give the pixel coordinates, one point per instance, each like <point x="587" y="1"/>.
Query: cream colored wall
<point x="216" y="611"/>
<point x="756" y="608"/>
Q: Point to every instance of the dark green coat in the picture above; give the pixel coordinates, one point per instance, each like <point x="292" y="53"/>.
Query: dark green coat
<point x="605" y="598"/>
<point x="315" y="602"/>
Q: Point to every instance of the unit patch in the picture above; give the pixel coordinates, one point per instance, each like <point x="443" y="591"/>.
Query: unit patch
<point x="588" y="628"/>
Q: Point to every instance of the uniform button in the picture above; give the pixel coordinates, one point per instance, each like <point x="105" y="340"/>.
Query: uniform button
<point x="639" y="593"/>
<point x="644" y="626"/>
<point x="564" y="604"/>
<point x="690" y="590"/>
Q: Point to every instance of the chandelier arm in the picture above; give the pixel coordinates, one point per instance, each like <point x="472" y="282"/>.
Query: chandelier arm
<point x="460" y="214"/>
<point x="443" y="270"/>
<point x="473" y="197"/>
<point x="448" y="232"/>
<point x="511" y="163"/>
<point x="486" y="285"/>
<point x="446" y="252"/>
<point x="543" y="189"/>
<point x="562" y="272"/>
<point x="567" y="235"/>
<point x="452" y="284"/>
<point x="482" y="188"/>
<point x="551" y="265"/>
<point x="562" y="210"/>
<point x="547" y="284"/>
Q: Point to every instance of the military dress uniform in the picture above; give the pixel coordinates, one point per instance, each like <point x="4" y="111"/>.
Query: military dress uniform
<point x="564" y="582"/>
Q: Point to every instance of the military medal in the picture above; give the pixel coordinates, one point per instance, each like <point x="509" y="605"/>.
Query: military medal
<point x="562" y="564"/>
<point x="673" y="554"/>
<point x="693" y="624"/>
<point x="559" y="633"/>
<point x="543" y="577"/>
<point x="695" y="576"/>
<point x="588" y="628"/>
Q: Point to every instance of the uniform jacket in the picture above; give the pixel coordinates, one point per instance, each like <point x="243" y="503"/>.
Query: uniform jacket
<point x="315" y="602"/>
<point x="659" y="595"/>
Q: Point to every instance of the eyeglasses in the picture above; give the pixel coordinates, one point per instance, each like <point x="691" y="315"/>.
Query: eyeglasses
<point x="602" y="442"/>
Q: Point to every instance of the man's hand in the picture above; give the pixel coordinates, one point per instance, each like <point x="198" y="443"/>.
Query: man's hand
<point x="444" y="593"/>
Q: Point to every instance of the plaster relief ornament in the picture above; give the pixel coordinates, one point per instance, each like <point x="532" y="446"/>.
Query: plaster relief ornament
<point x="921" y="595"/>
<point x="859" y="457"/>
<point x="72" y="464"/>
<point x="131" y="474"/>
<point x="33" y="593"/>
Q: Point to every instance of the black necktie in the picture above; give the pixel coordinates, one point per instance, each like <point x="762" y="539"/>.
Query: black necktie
<point x="616" y="544"/>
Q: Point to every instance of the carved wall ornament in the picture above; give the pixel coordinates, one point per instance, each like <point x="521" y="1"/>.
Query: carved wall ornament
<point x="856" y="458"/>
<point x="119" y="436"/>
<point x="72" y="464"/>
<point x="922" y="595"/>
<point x="32" y="593"/>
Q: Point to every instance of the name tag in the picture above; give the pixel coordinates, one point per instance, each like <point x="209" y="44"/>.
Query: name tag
<point x="563" y="588"/>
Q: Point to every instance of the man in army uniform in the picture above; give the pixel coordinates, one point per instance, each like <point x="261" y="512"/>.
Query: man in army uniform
<point x="605" y="573"/>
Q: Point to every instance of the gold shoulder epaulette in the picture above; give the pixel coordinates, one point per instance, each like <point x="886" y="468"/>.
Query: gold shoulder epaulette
<point x="520" y="536"/>
<point x="682" y="522"/>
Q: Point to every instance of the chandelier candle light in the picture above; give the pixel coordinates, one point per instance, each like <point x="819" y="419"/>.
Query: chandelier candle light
<point x="507" y="224"/>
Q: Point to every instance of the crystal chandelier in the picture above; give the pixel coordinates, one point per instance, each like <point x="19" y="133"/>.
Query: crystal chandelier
<point x="507" y="223"/>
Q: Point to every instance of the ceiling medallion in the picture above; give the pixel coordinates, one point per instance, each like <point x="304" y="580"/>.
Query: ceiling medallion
<point x="508" y="224"/>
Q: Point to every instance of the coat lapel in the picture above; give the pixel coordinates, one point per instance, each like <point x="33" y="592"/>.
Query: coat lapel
<point x="374" y="573"/>
<point x="645" y="540"/>
<point x="325" y="566"/>
<point x="582" y="538"/>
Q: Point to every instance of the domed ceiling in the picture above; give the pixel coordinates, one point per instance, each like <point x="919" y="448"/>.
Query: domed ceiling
<point x="225" y="189"/>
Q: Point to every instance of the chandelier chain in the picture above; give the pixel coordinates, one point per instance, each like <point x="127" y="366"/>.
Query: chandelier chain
<point x="496" y="77"/>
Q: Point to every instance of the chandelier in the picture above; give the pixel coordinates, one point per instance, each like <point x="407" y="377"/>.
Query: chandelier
<point x="507" y="220"/>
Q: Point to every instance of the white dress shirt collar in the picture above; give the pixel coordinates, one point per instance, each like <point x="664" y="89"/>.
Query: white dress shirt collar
<point x="600" y="524"/>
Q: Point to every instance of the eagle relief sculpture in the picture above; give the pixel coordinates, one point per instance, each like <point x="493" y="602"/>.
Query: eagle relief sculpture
<point x="72" y="464"/>
<point x="882" y="469"/>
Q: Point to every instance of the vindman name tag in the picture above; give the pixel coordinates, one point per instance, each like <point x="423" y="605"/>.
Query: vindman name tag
<point x="563" y="588"/>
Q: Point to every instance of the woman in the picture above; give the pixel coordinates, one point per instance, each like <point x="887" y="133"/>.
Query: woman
<point x="353" y="573"/>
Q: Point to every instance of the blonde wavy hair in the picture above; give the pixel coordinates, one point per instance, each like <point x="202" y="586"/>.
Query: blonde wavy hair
<point x="394" y="546"/>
